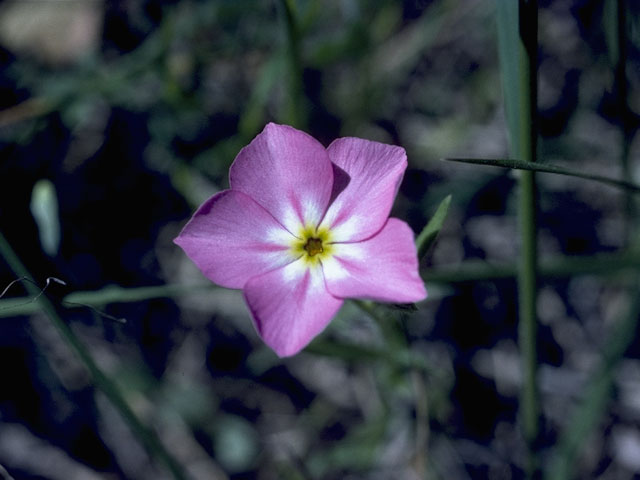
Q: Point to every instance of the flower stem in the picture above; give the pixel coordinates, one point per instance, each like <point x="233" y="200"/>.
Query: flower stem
<point x="518" y="44"/>
<point x="295" y="106"/>
<point x="527" y="274"/>
<point x="102" y="381"/>
<point x="621" y="89"/>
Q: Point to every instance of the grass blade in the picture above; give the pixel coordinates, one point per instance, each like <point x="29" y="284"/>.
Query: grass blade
<point x="429" y="233"/>
<point x="295" y="113"/>
<point x="546" y="168"/>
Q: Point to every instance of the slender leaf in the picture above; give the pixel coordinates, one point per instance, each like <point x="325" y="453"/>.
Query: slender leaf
<point x="44" y="208"/>
<point x="546" y="168"/>
<point x="430" y="231"/>
<point x="509" y="52"/>
<point x="295" y="112"/>
<point x="252" y="118"/>
<point x="12" y="307"/>
<point x="114" y="294"/>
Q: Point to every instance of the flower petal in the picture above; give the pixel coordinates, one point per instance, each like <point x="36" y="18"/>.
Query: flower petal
<point x="383" y="268"/>
<point x="375" y="170"/>
<point x="290" y="306"/>
<point x="287" y="172"/>
<point x="231" y="238"/>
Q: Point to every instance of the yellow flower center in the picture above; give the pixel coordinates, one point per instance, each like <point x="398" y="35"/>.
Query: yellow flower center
<point x="312" y="245"/>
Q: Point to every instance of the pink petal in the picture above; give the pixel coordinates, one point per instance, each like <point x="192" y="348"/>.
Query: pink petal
<point x="231" y="238"/>
<point x="363" y="207"/>
<point x="290" y="306"/>
<point x="383" y="268"/>
<point x="287" y="172"/>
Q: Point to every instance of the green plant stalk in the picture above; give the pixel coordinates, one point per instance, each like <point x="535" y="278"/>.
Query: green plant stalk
<point x="518" y="43"/>
<point x="623" y="108"/>
<point x="109" y="388"/>
<point x="427" y="237"/>
<point x="527" y="274"/>
<point x="295" y="107"/>
<point x="527" y="325"/>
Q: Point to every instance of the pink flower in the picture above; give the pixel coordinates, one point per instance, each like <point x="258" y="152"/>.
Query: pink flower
<point x="302" y="228"/>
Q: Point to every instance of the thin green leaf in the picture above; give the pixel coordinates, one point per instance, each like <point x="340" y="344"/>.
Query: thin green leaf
<point x="114" y="294"/>
<point x="12" y="307"/>
<point x="546" y="168"/>
<point x="295" y="113"/>
<point x="252" y="118"/>
<point x="611" y="30"/>
<point x="509" y="52"/>
<point x="44" y="208"/>
<point x="433" y="227"/>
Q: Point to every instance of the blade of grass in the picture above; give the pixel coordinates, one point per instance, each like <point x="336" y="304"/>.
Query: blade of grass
<point x="546" y="168"/>
<point x="518" y="44"/>
<point x="12" y="307"/>
<point x="102" y="381"/>
<point x="252" y="119"/>
<point x="429" y="233"/>
<point x="589" y="411"/>
<point x="113" y="294"/>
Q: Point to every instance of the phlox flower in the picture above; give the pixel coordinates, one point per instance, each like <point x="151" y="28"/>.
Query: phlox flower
<point x="302" y="228"/>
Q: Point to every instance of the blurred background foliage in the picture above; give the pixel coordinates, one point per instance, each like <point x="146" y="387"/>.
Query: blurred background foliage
<point x="118" y="118"/>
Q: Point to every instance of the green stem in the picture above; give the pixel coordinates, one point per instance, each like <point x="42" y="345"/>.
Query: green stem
<point x="429" y="233"/>
<point x="295" y="106"/>
<point x="527" y="327"/>
<point x="621" y="88"/>
<point x="524" y="145"/>
<point x="527" y="274"/>
<point x="148" y="438"/>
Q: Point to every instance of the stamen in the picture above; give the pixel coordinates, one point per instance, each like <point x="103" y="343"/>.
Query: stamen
<point x="313" y="246"/>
